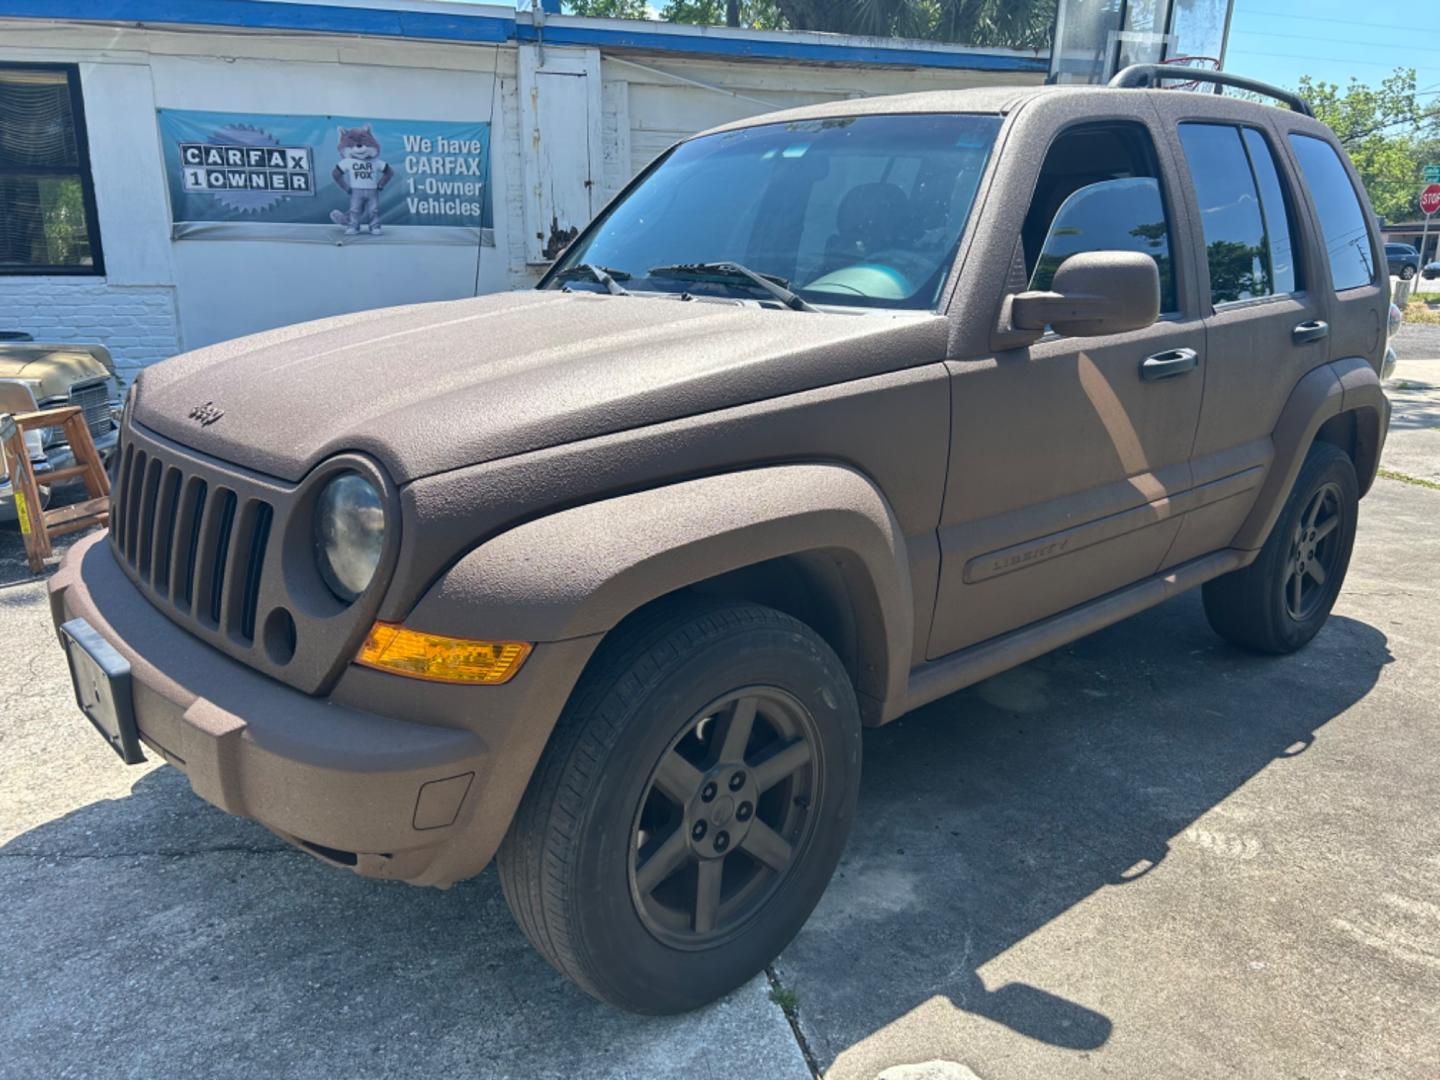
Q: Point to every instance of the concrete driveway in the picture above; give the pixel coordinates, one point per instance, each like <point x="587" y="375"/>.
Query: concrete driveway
<point x="1145" y="854"/>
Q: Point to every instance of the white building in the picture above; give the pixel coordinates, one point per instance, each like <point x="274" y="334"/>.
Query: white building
<point x="115" y="228"/>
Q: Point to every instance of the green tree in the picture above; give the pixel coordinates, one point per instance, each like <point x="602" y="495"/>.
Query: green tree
<point x="1384" y="130"/>
<point x="755" y="14"/>
<point x="1021" y="24"/>
<point x="1005" y="23"/>
<point x="609" y="9"/>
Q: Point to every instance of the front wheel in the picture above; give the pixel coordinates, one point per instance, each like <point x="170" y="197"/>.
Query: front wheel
<point x="1281" y="600"/>
<point x="690" y="808"/>
<point x="1406" y="273"/>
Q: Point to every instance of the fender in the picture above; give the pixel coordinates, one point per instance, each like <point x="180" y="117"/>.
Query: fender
<point x="580" y="571"/>
<point x="1341" y="386"/>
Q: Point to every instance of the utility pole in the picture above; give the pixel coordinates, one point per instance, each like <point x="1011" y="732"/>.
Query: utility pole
<point x="732" y="12"/>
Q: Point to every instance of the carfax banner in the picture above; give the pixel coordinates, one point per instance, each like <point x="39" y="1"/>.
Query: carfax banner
<point x="327" y="179"/>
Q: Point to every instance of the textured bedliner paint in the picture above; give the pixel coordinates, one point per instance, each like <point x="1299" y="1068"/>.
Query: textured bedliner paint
<point x="434" y="387"/>
<point x="561" y="460"/>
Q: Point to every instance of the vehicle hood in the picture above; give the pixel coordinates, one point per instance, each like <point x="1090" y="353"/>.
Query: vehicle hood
<point x="434" y="387"/>
<point x="55" y="367"/>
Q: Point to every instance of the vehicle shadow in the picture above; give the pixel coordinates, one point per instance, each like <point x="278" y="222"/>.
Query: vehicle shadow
<point x="153" y="932"/>
<point x="988" y="814"/>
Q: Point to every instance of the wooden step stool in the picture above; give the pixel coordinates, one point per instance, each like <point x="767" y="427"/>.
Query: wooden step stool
<point x="37" y="525"/>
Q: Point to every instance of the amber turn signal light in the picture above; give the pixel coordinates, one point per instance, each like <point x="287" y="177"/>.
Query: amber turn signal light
<point x="402" y="651"/>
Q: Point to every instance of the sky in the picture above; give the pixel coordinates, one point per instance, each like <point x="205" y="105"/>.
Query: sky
<point x="1280" y="40"/>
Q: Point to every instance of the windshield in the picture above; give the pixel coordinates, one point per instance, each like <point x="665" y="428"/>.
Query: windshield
<point x="856" y="211"/>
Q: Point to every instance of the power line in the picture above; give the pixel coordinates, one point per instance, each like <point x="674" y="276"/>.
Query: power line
<point x="1330" y="18"/>
<point x="1268" y="34"/>
<point x="1312" y="56"/>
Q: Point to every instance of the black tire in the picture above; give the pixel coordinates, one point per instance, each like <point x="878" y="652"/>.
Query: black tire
<point x="1406" y="273"/>
<point x="660" y="696"/>
<point x="1258" y="607"/>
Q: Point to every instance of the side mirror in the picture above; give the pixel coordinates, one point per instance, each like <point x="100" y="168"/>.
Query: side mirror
<point x="1093" y="293"/>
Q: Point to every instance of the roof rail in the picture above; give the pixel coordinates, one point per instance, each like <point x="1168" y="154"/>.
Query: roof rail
<point x="1151" y="74"/>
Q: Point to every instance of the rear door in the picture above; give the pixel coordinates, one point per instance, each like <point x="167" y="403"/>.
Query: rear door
<point x="1360" y="291"/>
<point x="1266" y="321"/>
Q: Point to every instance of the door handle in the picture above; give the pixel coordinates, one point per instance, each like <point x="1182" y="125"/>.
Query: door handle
<point x="1168" y="364"/>
<point x="1306" y="332"/>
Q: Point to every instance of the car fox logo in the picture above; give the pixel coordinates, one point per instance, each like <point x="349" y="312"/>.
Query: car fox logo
<point x="206" y="414"/>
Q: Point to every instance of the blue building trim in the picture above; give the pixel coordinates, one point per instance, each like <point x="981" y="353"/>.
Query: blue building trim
<point x="457" y="26"/>
<point x="273" y="15"/>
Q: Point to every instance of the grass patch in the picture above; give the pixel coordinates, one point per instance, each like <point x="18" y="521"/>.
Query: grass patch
<point x="1418" y="311"/>
<point x="786" y="998"/>
<point x="1388" y="474"/>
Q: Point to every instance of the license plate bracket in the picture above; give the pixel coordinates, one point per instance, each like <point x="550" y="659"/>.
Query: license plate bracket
<point x="103" y="689"/>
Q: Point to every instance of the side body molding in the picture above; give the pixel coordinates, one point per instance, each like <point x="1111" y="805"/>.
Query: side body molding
<point x="1341" y="386"/>
<point x="580" y="571"/>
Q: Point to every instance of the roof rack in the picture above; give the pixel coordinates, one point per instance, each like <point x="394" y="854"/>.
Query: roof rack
<point x="1151" y="74"/>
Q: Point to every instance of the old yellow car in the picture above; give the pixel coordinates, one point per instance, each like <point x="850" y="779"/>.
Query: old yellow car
<point x="43" y="375"/>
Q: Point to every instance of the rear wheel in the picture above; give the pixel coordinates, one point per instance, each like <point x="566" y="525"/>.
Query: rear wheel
<point x="1281" y="600"/>
<point x="690" y="808"/>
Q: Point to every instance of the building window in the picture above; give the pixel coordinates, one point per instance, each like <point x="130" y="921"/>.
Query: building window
<point x="47" y="199"/>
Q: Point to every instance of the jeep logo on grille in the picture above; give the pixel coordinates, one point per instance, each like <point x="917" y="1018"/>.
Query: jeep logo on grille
<point x="206" y="414"/>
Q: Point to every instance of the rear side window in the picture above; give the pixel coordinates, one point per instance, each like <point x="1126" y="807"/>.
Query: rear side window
<point x="1098" y="190"/>
<point x="1347" y="239"/>
<point x="1242" y="212"/>
<point x="1278" y="212"/>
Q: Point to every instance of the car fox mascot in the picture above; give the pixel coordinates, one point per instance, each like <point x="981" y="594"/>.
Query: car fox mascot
<point x="362" y="174"/>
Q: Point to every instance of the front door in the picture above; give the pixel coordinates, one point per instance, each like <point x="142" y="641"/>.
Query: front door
<point x="1068" y="457"/>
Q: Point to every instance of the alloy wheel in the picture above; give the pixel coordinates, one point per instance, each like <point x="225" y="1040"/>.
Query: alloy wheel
<point x="1314" y="553"/>
<point x="724" y="816"/>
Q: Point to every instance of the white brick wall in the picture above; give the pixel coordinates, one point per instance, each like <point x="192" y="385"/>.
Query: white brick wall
<point x="136" y="322"/>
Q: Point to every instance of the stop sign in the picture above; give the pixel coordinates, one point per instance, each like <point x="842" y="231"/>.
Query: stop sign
<point x="1430" y="199"/>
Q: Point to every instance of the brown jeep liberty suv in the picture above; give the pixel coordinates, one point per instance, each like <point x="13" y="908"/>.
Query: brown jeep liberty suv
<point x="830" y="413"/>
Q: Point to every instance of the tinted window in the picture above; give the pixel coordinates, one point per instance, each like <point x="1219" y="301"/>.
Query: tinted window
<point x="47" y="205"/>
<point x="852" y="211"/>
<point x="1229" y="212"/>
<point x="1277" y="212"/>
<point x="1098" y="191"/>
<point x="1347" y="238"/>
<point x="1113" y="215"/>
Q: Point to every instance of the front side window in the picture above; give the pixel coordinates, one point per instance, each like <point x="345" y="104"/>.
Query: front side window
<point x="47" y="203"/>
<point x="1342" y="220"/>
<point x="1098" y="190"/>
<point x="1242" y="212"/>
<point x="853" y="211"/>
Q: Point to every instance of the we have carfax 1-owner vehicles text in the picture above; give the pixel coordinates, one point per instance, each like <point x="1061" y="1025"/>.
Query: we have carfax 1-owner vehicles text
<point x="830" y="413"/>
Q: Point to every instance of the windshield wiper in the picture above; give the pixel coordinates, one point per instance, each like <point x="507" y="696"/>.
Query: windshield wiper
<point x="732" y="272"/>
<point x="601" y="275"/>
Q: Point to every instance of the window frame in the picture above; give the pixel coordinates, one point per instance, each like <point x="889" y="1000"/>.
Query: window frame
<point x="1157" y="162"/>
<point x="1287" y="196"/>
<point x="81" y="169"/>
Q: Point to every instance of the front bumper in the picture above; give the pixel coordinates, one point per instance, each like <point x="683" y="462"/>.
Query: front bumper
<point x="423" y="802"/>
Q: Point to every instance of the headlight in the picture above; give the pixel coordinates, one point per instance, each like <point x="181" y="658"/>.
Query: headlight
<point x="349" y="533"/>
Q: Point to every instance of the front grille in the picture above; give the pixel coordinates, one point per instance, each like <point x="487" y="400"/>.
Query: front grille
<point x="94" y="400"/>
<point x="219" y="551"/>
<point x="193" y="543"/>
